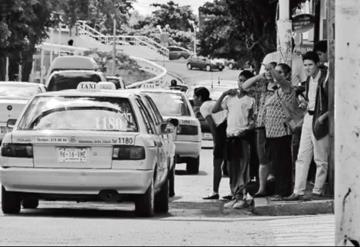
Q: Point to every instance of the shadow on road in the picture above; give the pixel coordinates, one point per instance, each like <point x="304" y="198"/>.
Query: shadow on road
<point x="184" y="173"/>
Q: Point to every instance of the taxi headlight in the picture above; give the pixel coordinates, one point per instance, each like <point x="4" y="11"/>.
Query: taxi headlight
<point x="17" y="150"/>
<point x="124" y="152"/>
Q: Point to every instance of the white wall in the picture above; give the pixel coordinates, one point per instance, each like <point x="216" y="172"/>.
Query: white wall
<point x="347" y="121"/>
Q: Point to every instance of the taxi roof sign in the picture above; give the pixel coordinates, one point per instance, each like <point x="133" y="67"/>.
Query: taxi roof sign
<point x="95" y="86"/>
<point x="150" y="85"/>
<point x="106" y="85"/>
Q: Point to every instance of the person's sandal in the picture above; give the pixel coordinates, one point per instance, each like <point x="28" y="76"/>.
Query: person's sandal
<point x="227" y="198"/>
<point x="212" y="197"/>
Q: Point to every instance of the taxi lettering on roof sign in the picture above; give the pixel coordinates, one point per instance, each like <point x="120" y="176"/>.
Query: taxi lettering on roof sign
<point x="93" y="86"/>
<point x="87" y="86"/>
<point x="150" y="85"/>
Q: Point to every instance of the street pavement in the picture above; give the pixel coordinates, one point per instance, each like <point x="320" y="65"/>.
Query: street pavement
<point x="190" y="221"/>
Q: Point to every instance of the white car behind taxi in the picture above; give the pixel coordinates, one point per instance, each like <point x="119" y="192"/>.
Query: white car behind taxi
<point x="174" y="104"/>
<point x="13" y="98"/>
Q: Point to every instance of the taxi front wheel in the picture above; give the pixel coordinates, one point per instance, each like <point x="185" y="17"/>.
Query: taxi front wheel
<point x="10" y="202"/>
<point x="144" y="204"/>
<point x="192" y="165"/>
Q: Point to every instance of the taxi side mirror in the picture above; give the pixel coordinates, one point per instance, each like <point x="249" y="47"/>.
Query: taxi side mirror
<point x="173" y="121"/>
<point x="169" y="126"/>
<point x="11" y="123"/>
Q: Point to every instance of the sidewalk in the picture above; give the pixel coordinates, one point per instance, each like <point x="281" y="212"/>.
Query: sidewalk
<point x="264" y="206"/>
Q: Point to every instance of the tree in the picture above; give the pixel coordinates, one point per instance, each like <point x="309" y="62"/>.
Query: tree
<point x="177" y="17"/>
<point x="248" y="33"/>
<point x="24" y="27"/>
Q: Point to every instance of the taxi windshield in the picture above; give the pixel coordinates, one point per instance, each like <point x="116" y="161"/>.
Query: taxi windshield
<point x="170" y="104"/>
<point x="79" y="113"/>
<point x="18" y="92"/>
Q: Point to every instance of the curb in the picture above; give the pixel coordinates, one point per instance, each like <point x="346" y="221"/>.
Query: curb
<point x="265" y="207"/>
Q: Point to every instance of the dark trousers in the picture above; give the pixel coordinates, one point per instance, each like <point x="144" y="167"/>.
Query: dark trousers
<point x="238" y="156"/>
<point x="280" y="149"/>
<point x="254" y="159"/>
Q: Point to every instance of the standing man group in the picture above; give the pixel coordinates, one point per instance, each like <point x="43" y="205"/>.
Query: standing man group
<point x="243" y="113"/>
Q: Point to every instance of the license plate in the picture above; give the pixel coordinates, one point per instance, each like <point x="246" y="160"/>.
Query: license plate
<point x="207" y="136"/>
<point x="72" y="154"/>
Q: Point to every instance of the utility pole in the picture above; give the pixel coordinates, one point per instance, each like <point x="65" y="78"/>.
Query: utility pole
<point x="284" y="26"/>
<point x="195" y="41"/>
<point x="347" y="119"/>
<point x="114" y="47"/>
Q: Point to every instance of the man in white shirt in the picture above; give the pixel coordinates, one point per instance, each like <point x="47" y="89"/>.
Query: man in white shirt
<point x="314" y="135"/>
<point x="217" y="125"/>
<point x="240" y="121"/>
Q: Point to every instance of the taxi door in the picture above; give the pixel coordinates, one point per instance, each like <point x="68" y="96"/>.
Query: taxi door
<point x="162" y="168"/>
<point x="168" y="138"/>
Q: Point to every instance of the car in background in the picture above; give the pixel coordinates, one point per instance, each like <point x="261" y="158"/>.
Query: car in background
<point x="221" y="61"/>
<point x="177" y="52"/>
<point x="232" y="64"/>
<point x="13" y="98"/>
<point x="70" y="79"/>
<point x="203" y="63"/>
<point x="118" y="81"/>
<point x="73" y="63"/>
<point x="216" y="89"/>
<point x="174" y="104"/>
<point x="87" y="144"/>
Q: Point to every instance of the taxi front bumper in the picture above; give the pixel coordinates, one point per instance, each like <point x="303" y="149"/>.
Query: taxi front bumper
<point x="71" y="181"/>
<point x="187" y="149"/>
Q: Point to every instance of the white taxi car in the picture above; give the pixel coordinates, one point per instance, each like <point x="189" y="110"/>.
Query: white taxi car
<point x="87" y="144"/>
<point x="174" y="104"/>
<point x="13" y="98"/>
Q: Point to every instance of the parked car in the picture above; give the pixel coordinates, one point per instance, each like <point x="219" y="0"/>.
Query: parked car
<point x="87" y="144"/>
<point x="118" y="81"/>
<point x="13" y="98"/>
<point x="174" y="104"/>
<point x="70" y="79"/>
<point x="203" y="63"/>
<point x="232" y="64"/>
<point x="176" y="52"/>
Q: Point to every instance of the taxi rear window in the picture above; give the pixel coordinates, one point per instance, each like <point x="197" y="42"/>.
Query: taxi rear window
<point x="63" y="81"/>
<point x="79" y="113"/>
<point x="170" y="104"/>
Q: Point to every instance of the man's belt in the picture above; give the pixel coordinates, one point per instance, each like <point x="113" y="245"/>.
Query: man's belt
<point x="311" y="112"/>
